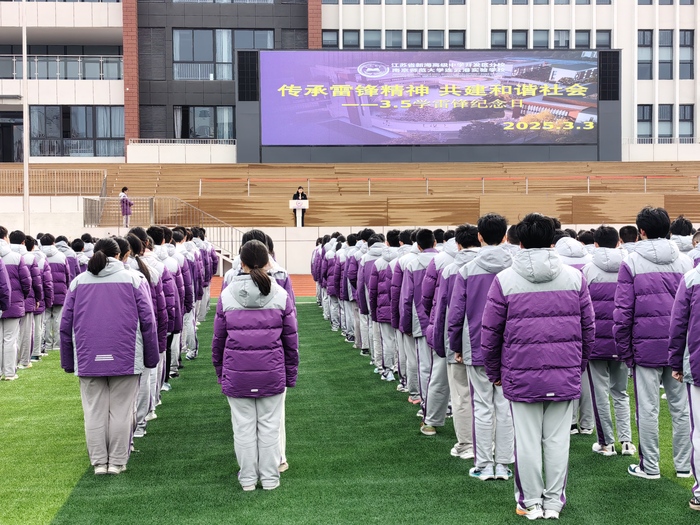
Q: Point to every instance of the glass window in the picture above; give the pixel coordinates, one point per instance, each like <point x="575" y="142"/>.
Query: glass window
<point x="393" y="2"/>
<point x="687" y="2"/>
<point x="414" y="39"/>
<point x="372" y="2"/>
<point x="583" y="39"/>
<point x="457" y="2"/>
<point x="436" y="39"/>
<point x="665" y="2"/>
<point x="541" y="2"/>
<point x="329" y="38"/>
<point x="199" y="54"/>
<point x="499" y="2"/>
<point x="644" y="2"/>
<point x="351" y="1"/>
<point x="254" y="38"/>
<point x="203" y="122"/>
<point x="224" y="122"/>
<point x="561" y="38"/>
<point x="393" y="39"/>
<point x="540" y="38"/>
<point x="457" y="39"/>
<point x="373" y="38"/>
<point x="561" y="2"/>
<point x="351" y="39"/>
<point x="518" y="39"/>
<point x="414" y="2"/>
<point x="687" y="52"/>
<point x="603" y="40"/>
<point x="665" y="55"/>
<point x="644" y="124"/>
<point x="80" y="122"/>
<point x="182" y="45"/>
<point x="203" y="49"/>
<point x="603" y="2"/>
<point x="645" y="54"/>
<point x="519" y="2"/>
<point x="329" y="1"/>
<point x="665" y="128"/>
<point x="583" y="2"/>
<point x="686" y="125"/>
<point x="499" y="39"/>
<point x="436" y="2"/>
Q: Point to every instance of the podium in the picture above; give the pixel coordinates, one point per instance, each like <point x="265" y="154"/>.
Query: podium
<point x="298" y="206"/>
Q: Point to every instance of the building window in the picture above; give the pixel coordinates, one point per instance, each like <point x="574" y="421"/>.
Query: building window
<point x="603" y="2"/>
<point x="644" y="125"/>
<point x="295" y="39"/>
<point x="456" y="2"/>
<point x="687" y="51"/>
<point x="583" y="2"/>
<point x="499" y="2"/>
<point x="457" y="39"/>
<point x="686" y="126"/>
<point x="665" y="55"/>
<point x="351" y="39"/>
<point x="561" y="2"/>
<point x="372" y="2"/>
<point x="519" y="2"/>
<point x="329" y="1"/>
<point x="541" y="2"/>
<point x="603" y="40"/>
<point x="561" y="38"/>
<point x="499" y="39"/>
<point x="329" y="39"/>
<point x="414" y="39"/>
<point x="643" y="2"/>
<point x="414" y="2"/>
<point x="687" y="2"/>
<point x="351" y="1"/>
<point x="665" y="2"/>
<point x="203" y="122"/>
<point x="76" y="131"/>
<point x="393" y="39"/>
<point x="645" y="54"/>
<point x="665" y="127"/>
<point x="436" y="2"/>
<point x="372" y="39"/>
<point x="393" y="2"/>
<point x="254" y="39"/>
<point x="583" y="39"/>
<point x="202" y="54"/>
<point x="518" y="39"/>
<point x="436" y="39"/>
<point x="540" y="39"/>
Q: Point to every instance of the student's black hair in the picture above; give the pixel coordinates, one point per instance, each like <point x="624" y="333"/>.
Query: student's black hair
<point x="338" y="245"/>
<point x="77" y="245"/>
<point x="572" y="233"/>
<point x="188" y="234"/>
<point x="467" y="236"/>
<point x="140" y="233"/>
<point x="425" y="239"/>
<point x="654" y="221"/>
<point x="319" y="241"/>
<point x="3" y="232"/>
<point x="125" y="189"/>
<point x="326" y="239"/>
<point x="696" y="237"/>
<point x="392" y="237"/>
<point x="255" y="256"/>
<point x="270" y="245"/>
<point x="374" y="239"/>
<point x="382" y="237"/>
<point x="178" y="236"/>
<point x="149" y="243"/>
<point x="557" y="223"/>
<point x="493" y="228"/>
<point x="29" y="243"/>
<point x="405" y="237"/>
<point x="588" y="237"/>
<point x="335" y="235"/>
<point x="681" y="226"/>
<point x="300" y="188"/>
<point x="560" y="234"/>
<point x="512" y="235"/>
<point x="87" y="238"/>
<point x="629" y="233"/>
<point x="439" y="234"/>
<point x="62" y="238"/>
<point x="104" y="248"/>
<point x="17" y="237"/>
<point x="254" y="234"/>
<point x="341" y="239"/>
<point x="167" y="234"/>
<point x="366" y="234"/>
<point x="39" y="235"/>
<point x="536" y="231"/>
<point x="449" y="234"/>
<point x="156" y="233"/>
<point x="414" y="233"/>
<point x="352" y="239"/>
<point x="136" y="247"/>
<point x="124" y="246"/>
<point x="46" y="240"/>
<point x="606" y="237"/>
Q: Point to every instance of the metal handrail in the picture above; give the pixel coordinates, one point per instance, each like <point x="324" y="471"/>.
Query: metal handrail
<point x="61" y="64"/>
<point x="225" y="142"/>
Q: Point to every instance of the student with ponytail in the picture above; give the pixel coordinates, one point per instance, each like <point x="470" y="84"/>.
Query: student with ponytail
<point x="108" y="338"/>
<point x="255" y="355"/>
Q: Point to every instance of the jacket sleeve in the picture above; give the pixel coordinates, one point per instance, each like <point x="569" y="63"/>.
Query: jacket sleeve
<point x="290" y="343"/>
<point x="492" y="328"/>
<point x="373" y="291"/>
<point x="680" y="316"/>
<point x="189" y="289"/>
<point x="337" y="275"/>
<point x="37" y="284"/>
<point x="287" y="285"/>
<point x="148" y="324"/>
<point x="458" y="311"/>
<point x="47" y="283"/>
<point x="428" y="287"/>
<point x="218" y="342"/>
<point x="324" y="271"/>
<point x="406" y="303"/>
<point x="623" y="315"/>
<point x="5" y="288"/>
<point x="214" y="261"/>
<point x="67" y="273"/>
<point x="73" y="269"/>
<point x="25" y="278"/>
<point x="67" y="317"/>
<point x="396" y="281"/>
<point x="587" y="323"/>
<point x="313" y="265"/>
<point x="352" y="271"/>
<point x="161" y="316"/>
<point x="439" y="315"/>
<point x="361" y="296"/>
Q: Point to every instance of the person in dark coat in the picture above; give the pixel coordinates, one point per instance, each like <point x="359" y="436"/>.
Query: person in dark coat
<point x="299" y="196"/>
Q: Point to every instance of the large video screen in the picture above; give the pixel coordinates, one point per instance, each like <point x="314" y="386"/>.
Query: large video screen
<point x="341" y="98"/>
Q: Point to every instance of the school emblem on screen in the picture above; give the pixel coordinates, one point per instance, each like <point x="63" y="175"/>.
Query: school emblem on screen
<point x="373" y="69"/>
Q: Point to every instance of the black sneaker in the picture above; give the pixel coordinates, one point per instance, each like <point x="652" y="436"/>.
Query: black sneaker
<point x="364" y="351"/>
<point x="35" y="358"/>
<point x="174" y="374"/>
<point x="350" y="339"/>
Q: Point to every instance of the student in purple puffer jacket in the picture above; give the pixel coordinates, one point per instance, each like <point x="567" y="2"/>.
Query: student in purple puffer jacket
<point x="255" y="355"/>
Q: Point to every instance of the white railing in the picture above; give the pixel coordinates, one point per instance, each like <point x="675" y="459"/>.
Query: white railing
<point x="197" y="71"/>
<point x="224" y="1"/>
<point x="223" y="142"/>
<point x="63" y="67"/>
<point x="53" y="182"/>
<point x="659" y="140"/>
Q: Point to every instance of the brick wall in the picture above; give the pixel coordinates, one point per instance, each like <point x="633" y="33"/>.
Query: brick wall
<point x="131" y="69"/>
<point x="315" y="41"/>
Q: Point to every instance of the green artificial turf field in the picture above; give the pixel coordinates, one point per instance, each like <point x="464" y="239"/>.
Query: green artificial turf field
<point x="353" y="445"/>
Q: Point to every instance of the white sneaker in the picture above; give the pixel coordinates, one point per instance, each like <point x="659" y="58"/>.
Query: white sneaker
<point x="636" y="470"/>
<point x="139" y="433"/>
<point x="551" y="514"/>
<point x="150" y="416"/>
<point x="248" y="488"/>
<point x="684" y="474"/>
<point x="377" y="370"/>
<point x="586" y="431"/>
<point x="389" y="376"/>
<point x="503" y="472"/>
<point x="166" y="387"/>
<point x="628" y="449"/>
<point x="532" y="513"/>
<point x="100" y="470"/>
<point x="483" y="474"/>
<point x="463" y="451"/>
<point x="24" y="367"/>
<point x="420" y="413"/>
<point x="11" y="378"/>
<point x="607" y="450"/>
<point x="116" y="469"/>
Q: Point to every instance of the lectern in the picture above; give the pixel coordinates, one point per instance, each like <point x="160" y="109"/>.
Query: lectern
<point x="298" y="206"/>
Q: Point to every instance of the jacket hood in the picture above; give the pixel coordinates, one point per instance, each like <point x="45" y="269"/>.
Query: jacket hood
<point x="608" y="259"/>
<point x="113" y="266"/>
<point x="426" y="256"/>
<point x="362" y="246"/>
<point x="538" y="265"/>
<point x="170" y="249"/>
<point x="161" y="252"/>
<point x="63" y="247"/>
<point x="465" y="255"/>
<point x="89" y="247"/>
<point x="450" y="247"/>
<point x="199" y="243"/>
<point x="330" y="244"/>
<point x="4" y="248"/>
<point x="247" y="293"/>
<point x="122" y="195"/>
<point x="684" y="242"/>
<point x="629" y="247"/>
<point x="19" y="248"/>
<point x="389" y="253"/>
<point x="404" y="249"/>
<point x="494" y="259"/>
<point x="511" y="248"/>
<point x="49" y="251"/>
<point x="330" y="254"/>
<point x="376" y="249"/>
<point x="569" y="247"/>
<point x="414" y="249"/>
<point x="658" y="251"/>
<point x="82" y="258"/>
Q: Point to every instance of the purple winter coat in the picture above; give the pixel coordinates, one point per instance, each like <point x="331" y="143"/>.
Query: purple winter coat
<point x="187" y="280"/>
<point x="330" y="274"/>
<point x="71" y="259"/>
<point x="432" y="273"/>
<point x="60" y="274"/>
<point x="36" y="293"/>
<point x="5" y="288"/>
<point x="684" y="339"/>
<point x="601" y="276"/>
<point x="179" y="286"/>
<point x="214" y="258"/>
<point x="158" y="303"/>
<point x="364" y="272"/>
<point x="646" y="288"/>
<point x="168" y="285"/>
<point x="110" y="318"/>
<point x="572" y="253"/>
<point x="412" y="318"/>
<point x="352" y="268"/>
<point x="195" y="271"/>
<point x="538" y="328"/>
<point x="205" y="255"/>
<point x="20" y="281"/>
<point x="125" y="204"/>
<point x="694" y="254"/>
<point x="314" y="262"/>
<point x="255" y="344"/>
<point x="341" y="283"/>
<point x="380" y="286"/>
<point x="46" y="283"/>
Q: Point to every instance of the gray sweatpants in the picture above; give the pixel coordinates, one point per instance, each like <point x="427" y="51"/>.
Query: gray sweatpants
<point x="38" y="337"/>
<point x="24" y="340"/>
<point x="388" y="345"/>
<point x="365" y="334"/>
<point x="108" y="406"/>
<point x="493" y="423"/>
<point x="425" y="364"/>
<point x="376" y="346"/>
<point x="349" y="318"/>
<point x="357" y="325"/>
<point x="175" y="352"/>
<point x="326" y="300"/>
<point x="256" y="438"/>
<point x="52" y="332"/>
<point x="582" y="412"/>
<point x="343" y="318"/>
<point x="318" y="293"/>
<point x="204" y="305"/>
<point x="461" y="402"/>
<point x="409" y="346"/>
<point x="438" y="394"/>
<point x="9" y="330"/>
<point x="646" y="391"/>
<point x="542" y="432"/>
<point x="609" y="379"/>
<point x="694" y="406"/>
<point x="334" y="306"/>
<point x="143" y="399"/>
